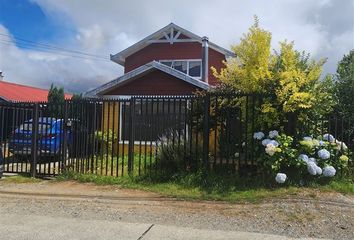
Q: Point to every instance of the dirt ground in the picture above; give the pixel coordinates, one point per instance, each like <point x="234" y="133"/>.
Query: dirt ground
<point x="323" y="215"/>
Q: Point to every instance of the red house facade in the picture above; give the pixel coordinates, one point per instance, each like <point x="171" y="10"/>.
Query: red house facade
<point x="171" y="61"/>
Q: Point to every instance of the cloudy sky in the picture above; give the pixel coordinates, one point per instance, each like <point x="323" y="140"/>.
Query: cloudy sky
<point x="322" y="27"/>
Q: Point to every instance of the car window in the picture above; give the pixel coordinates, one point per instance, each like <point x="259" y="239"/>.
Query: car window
<point x="28" y="126"/>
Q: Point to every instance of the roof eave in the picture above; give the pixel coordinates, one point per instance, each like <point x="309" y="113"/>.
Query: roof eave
<point x="101" y="90"/>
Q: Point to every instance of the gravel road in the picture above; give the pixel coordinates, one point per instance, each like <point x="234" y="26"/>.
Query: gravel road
<point x="326" y="215"/>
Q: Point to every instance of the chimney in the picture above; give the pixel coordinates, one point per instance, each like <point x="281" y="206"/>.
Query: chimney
<point x="1" y="76"/>
<point x="205" y="60"/>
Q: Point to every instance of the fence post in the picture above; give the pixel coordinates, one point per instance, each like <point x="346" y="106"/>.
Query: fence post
<point x="34" y="140"/>
<point x="131" y="136"/>
<point x="206" y="132"/>
<point x="65" y="135"/>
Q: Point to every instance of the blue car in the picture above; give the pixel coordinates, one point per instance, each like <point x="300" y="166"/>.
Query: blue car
<point x="1" y="163"/>
<point x="50" y="138"/>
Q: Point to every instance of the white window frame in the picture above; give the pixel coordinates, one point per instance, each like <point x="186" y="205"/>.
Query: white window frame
<point x="185" y="60"/>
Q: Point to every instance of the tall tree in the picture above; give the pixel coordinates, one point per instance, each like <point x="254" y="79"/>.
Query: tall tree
<point x="290" y="79"/>
<point x="56" y="99"/>
<point x="56" y="95"/>
<point x="344" y="85"/>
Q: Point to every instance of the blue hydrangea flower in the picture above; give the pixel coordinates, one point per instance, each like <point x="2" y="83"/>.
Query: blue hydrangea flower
<point x="318" y="170"/>
<point x="280" y="178"/>
<point x="311" y="168"/>
<point x="321" y="143"/>
<point x="329" y="171"/>
<point x="265" y="142"/>
<point x="323" y="154"/>
<point x="273" y="134"/>
<point x="313" y="160"/>
<point x="304" y="158"/>
<point x="329" y="137"/>
<point x="274" y="143"/>
<point x="307" y="138"/>
<point x="258" y="135"/>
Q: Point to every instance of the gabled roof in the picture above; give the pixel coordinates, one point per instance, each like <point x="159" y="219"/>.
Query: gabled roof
<point x="13" y="92"/>
<point x="142" y="70"/>
<point x="171" y="33"/>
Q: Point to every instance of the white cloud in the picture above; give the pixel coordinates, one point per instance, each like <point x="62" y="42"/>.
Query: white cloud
<point x="323" y="28"/>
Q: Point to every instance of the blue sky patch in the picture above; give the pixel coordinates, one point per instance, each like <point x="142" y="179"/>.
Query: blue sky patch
<point x="25" y="19"/>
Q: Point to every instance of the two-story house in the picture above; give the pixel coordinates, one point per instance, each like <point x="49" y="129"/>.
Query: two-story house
<point x="171" y="61"/>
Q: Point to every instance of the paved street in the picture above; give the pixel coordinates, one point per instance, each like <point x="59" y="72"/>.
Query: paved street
<point x="69" y="210"/>
<point x="28" y="227"/>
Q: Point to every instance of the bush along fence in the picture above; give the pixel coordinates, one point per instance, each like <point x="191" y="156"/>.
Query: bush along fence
<point x="166" y="135"/>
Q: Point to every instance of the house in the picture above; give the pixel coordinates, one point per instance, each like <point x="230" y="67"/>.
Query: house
<point x="171" y="61"/>
<point x="13" y="92"/>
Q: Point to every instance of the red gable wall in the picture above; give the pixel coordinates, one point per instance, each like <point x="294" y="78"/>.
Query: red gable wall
<point x="167" y="51"/>
<point x="154" y="83"/>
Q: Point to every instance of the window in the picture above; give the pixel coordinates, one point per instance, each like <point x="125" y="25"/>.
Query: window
<point x="153" y="118"/>
<point x="192" y="68"/>
<point x="180" y="66"/>
<point x="195" y="69"/>
<point x="167" y="63"/>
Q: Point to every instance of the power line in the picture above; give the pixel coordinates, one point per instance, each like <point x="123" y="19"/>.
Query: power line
<point x="23" y="43"/>
<point x="9" y="43"/>
<point x="52" y="46"/>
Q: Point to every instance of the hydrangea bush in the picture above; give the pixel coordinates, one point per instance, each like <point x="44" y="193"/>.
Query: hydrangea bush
<point x="310" y="158"/>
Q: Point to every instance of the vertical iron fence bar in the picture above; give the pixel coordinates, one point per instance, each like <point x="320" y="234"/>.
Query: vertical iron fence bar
<point x="113" y="136"/>
<point x="34" y="140"/>
<point x="107" y="137"/>
<point x="158" y="130"/>
<point x="102" y="137"/>
<point x="65" y="137"/>
<point x="206" y="132"/>
<point x="141" y="129"/>
<point x="246" y="131"/>
<point x="151" y="133"/>
<point x="216" y="116"/>
<point x="13" y="128"/>
<point x="131" y="136"/>
<point x="124" y="130"/>
<point x="93" y="132"/>
<point x="146" y="109"/>
<point x="119" y="123"/>
<point x="191" y="158"/>
<point x="252" y="127"/>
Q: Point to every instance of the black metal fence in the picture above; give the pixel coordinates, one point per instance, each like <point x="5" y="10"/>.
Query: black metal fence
<point x="126" y="136"/>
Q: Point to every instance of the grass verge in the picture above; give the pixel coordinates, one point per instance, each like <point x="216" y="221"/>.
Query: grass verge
<point x="198" y="187"/>
<point x="21" y="178"/>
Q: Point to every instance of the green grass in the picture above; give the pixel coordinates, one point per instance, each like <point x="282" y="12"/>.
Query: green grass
<point x="197" y="187"/>
<point x="113" y="165"/>
<point x="342" y="186"/>
<point x="19" y="179"/>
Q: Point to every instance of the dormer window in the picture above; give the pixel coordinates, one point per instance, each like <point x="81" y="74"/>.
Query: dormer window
<point x="192" y="68"/>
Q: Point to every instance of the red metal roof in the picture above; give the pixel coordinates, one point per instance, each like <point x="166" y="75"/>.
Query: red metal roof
<point x="17" y="92"/>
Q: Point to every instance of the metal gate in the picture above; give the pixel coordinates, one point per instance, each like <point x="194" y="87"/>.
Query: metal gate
<point x="32" y="138"/>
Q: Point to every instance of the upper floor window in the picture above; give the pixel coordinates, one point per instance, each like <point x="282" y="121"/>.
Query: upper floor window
<point x="192" y="68"/>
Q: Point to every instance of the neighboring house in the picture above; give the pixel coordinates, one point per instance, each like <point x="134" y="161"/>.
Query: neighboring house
<point x="171" y="61"/>
<point x="13" y="92"/>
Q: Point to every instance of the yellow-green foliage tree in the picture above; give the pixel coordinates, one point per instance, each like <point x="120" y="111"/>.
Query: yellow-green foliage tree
<point x="290" y="80"/>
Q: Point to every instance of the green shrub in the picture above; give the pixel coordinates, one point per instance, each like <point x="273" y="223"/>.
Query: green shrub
<point x="176" y="156"/>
